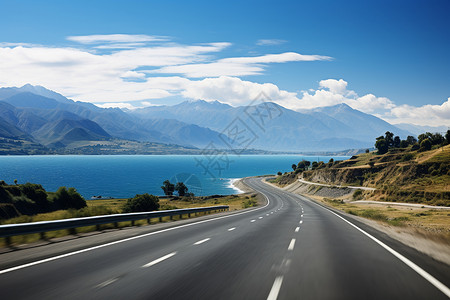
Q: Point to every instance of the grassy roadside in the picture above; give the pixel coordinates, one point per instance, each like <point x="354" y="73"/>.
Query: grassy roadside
<point x="113" y="206"/>
<point x="432" y="224"/>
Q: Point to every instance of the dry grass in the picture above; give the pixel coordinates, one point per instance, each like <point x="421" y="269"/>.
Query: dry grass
<point x="432" y="223"/>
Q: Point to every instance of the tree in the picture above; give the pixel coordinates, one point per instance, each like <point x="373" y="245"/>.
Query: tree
<point x="447" y="136"/>
<point x="381" y="145"/>
<point x="141" y="203"/>
<point x="367" y="151"/>
<point x="294" y="166"/>
<point x="437" y="139"/>
<point x="411" y="140"/>
<point x="301" y="166"/>
<point x="181" y="189"/>
<point x="389" y="138"/>
<point x="168" y="188"/>
<point x="315" y="164"/>
<point x="397" y="142"/>
<point x="279" y="173"/>
<point x="404" y="144"/>
<point x="425" y="145"/>
<point x="371" y="164"/>
<point x="307" y="163"/>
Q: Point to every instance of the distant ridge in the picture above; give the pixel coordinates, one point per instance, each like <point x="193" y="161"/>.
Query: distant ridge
<point x="47" y="117"/>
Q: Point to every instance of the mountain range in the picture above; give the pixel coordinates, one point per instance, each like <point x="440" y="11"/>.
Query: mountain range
<point x="44" y="117"/>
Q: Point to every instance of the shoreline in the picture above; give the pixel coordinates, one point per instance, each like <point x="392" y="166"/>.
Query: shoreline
<point x="238" y="184"/>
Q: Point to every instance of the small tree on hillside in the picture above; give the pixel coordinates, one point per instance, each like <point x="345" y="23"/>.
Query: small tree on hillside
<point x="397" y="142"/>
<point x="389" y="138"/>
<point x="294" y="166"/>
<point x="181" y="188"/>
<point x="411" y="140"/>
<point x="447" y="136"/>
<point x="168" y="188"/>
<point x="381" y="145"/>
<point x="425" y="145"/>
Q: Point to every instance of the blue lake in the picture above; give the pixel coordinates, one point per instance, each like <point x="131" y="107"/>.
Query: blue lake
<point x="124" y="176"/>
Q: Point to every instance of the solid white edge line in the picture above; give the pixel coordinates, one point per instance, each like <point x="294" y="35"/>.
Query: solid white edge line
<point x="202" y="241"/>
<point x="156" y="261"/>
<point x="291" y="245"/>
<point x="273" y="295"/>
<point x="126" y="240"/>
<point x="439" y="285"/>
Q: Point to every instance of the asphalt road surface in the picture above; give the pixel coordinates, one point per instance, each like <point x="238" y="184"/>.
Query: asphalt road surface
<point x="291" y="248"/>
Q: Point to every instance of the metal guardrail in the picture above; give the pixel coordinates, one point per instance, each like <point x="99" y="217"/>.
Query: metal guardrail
<point x="9" y="230"/>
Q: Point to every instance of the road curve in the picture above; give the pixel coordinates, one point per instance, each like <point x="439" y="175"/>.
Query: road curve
<point x="290" y="248"/>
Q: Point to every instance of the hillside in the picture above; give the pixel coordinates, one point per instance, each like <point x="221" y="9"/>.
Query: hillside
<point x="400" y="175"/>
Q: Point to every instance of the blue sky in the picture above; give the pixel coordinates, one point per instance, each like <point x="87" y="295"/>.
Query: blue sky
<point x="388" y="58"/>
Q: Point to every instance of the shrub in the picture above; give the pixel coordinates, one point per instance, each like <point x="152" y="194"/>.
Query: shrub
<point x="68" y="198"/>
<point x="425" y="145"/>
<point x="141" y="203"/>
<point x="357" y="195"/>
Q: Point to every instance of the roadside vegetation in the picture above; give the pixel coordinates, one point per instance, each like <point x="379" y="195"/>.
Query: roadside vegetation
<point x="30" y="199"/>
<point x="139" y="203"/>
<point x="429" y="223"/>
<point x="411" y="170"/>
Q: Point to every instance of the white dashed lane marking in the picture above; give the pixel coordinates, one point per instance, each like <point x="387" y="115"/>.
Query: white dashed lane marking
<point x="202" y="241"/>
<point x="159" y="260"/>
<point x="291" y="245"/>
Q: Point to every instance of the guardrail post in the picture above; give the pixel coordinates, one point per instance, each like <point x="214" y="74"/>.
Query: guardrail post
<point x="189" y="215"/>
<point x="116" y="224"/>
<point x="8" y="240"/>
<point x="160" y="219"/>
<point x="171" y="217"/>
<point x="42" y="234"/>
<point x="132" y="223"/>
<point x="97" y="227"/>
<point x="73" y="231"/>
<point x="148" y="221"/>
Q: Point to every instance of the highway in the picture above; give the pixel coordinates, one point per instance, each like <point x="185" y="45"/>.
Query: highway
<point x="288" y="248"/>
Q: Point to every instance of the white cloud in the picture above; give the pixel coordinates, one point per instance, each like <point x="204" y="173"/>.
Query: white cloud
<point x="270" y="42"/>
<point x="129" y="73"/>
<point x="235" y="91"/>
<point x="275" y="58"/>
<point x="236" y="66"/>
<point x="432" y="115"/>
<point x="332" y="92"/>
<point x="116" y="38"/>
<point x="117" y="105"/>
<point x="335" y="86"/>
